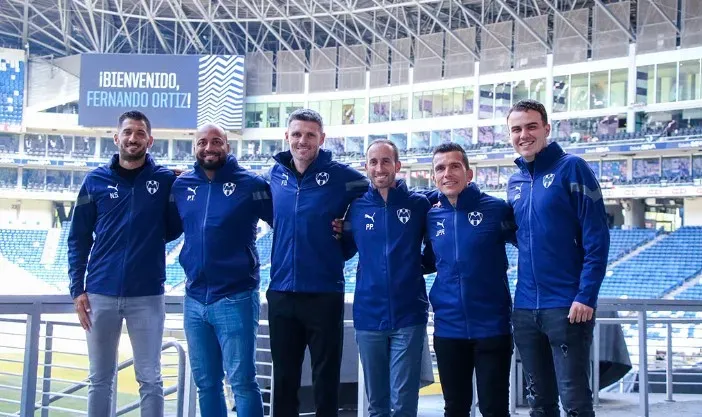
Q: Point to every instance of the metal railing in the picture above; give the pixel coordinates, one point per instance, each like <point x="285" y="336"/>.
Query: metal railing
<point x="32" y="313"/>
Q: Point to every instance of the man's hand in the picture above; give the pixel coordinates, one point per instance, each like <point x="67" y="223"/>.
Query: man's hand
<point x="580" y="313"/>
<point x="82" y="306"/>
<point x="338" y="226"/>
<point x="177" y="171"/>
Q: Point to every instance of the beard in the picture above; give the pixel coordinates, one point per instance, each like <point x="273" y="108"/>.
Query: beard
<point x="124" y="154"/>
<point x="211" y="165"/>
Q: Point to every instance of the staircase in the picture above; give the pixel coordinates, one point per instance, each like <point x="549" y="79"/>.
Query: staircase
<point x="51" y="245"/>
<point x="690" y="282"/>
<point x="636" y="251"/>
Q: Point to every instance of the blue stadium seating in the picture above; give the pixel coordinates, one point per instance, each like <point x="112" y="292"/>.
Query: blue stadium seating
<point x="11" y="91"/>
<point x="649" y="274"/>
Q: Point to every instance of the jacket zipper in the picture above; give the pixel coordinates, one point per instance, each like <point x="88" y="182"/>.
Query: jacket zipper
<point x="531" y="240"/>
<point x="297" y="196"/>
<point x="387" y="267"/>
<point x="129" y="234"/>
<point x="202" y="241"/>
<point x="460" y="281"/>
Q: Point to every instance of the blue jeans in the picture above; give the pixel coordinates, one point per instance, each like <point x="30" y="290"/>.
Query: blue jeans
<point x="144" y="317"/>
<point x="555" y="355"/>
<point x="391" y="362"/>
<point x="222" y="339"/>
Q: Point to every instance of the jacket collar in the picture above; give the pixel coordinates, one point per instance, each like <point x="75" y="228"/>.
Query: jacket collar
<point x="396" y="194"/>
<point x="544" y="159"/>
<point x="223" y="173"/>
<point x="323" y="159"/>
<point x="468" y="198"/>
<point x="148" y="162"/>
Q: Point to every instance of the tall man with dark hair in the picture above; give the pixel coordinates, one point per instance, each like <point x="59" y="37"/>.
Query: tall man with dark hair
<point x="306" y="293"/>
<point x="125" y="205"/>
<point x="563" y="245"/>
<point x="219" y="201"/>
<point x="470" y="296"/>
<point x="390" y="309"/>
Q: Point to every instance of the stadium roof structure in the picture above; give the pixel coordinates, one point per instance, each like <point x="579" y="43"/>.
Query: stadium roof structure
<point x="67" y="27"/>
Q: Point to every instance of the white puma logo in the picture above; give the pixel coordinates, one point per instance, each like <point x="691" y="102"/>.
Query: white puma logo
<point x="193" y="190"/>
<point x="368" y="216"/>
<point x="441" y="223"/>
<point x="114" y="187"/>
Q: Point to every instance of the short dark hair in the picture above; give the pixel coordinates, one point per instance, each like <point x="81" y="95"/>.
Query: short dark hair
<point x="450" y="147"/>
<point x="395" y="151"/>
<point x="135" y="115"/>
<point x="529" y="104"/>
<point x="306" y="115"/>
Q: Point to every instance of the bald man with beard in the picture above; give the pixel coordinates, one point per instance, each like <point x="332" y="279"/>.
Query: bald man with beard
<point x="220" y="204"/>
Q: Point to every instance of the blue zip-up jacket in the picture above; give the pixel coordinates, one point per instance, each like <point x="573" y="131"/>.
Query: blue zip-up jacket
<point x="220" y="218"/>
<point x="390" y="288"/>
<point x="307" y="257"/>
<point x="470" y="296"/>
<point x="131" y="225"/>
<point x="563" y="233"/>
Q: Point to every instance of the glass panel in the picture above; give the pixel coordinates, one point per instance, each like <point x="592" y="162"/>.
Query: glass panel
<point x="457" y="105"/>
<point x="108" y="147"/>
<point x="503" y="99"/>
<point x="78" y="177"/>
<point x="400" y="139"/>
<point x="253" y="118"/>
<point x="58" y="180"/>
<point x="537" y="90"/>
<point x="380" y="109"/>
<point x="35" y="145"/>
<point x="520" y="90"/>
<point x="421" y="179"/>
<point x="272" y="147"/>
<point x="487" y="105"/>
<point x="440" y="136"/>
<point x="648" y="168"/>
<point x="354" y="144"/>
<point x="666" y="82"/>
<point x="273" y="114"/>
<point x="437" y="109"/>
<point x="84" y="146"/>
<point x="160" y="149"/>
<point x="420" y="139"/>
<point x="697" y="166"/>
<point x="250" y="147"/>
<point x="619" y="80"/>
<point x="60" y="145"/>
<point x="262" y="112"/>
<point x="325" y="110"/>
<point x="335" y="145"/>
<point x="8" y="177"/>
<point x="671" y="123"/>
<point x="487" y="178"/>
<point x="34" y="179"/>
<point x="371" y="138"/>
<point x="579" y="98"/>
<point x="614" y="170"/>
<point x="676" y="169"/>
<point x="183" y="150"/>
<point x="400" y="107"/>
<point x="690" y="80"/>
<point x="504" y="173"/>
<point x="599" y="90"/>
<point x="463" y="137"/>
<point x="336" y="113"/>
<point x="560" y="93"/>
<point x="595" y="166"/>
<point x="9" y="143"/>
<point x="486" y="135"/>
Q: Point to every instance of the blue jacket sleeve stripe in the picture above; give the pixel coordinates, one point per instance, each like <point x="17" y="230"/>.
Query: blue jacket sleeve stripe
<point x="595" y="234"/>
<point x="80" y="240"/>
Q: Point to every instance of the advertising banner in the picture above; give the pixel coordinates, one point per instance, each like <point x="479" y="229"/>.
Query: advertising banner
<point x="174" y="91"/>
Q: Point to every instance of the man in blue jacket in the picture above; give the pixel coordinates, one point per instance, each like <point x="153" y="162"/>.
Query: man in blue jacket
<point x="390" y="307"/>
<point x="220" y="204"/>
<point x="306" y="293"/>
<point x="125" y="206"/>
<point x="563" y="241"/>
<point x="470" y="297"/>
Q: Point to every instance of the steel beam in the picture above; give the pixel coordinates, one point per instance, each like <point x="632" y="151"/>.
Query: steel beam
<point x="448" y="30"/>
<point x="665" y="17"/>
<point x="150" y="16"/>
<point x="616" y="21"/>
<point x="524" y="24"/>
<point x="411" y="32"/>
<point x="566" y="21"/>
<point x="215" y="29"/>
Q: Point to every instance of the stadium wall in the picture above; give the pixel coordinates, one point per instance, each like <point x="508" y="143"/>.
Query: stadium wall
<point x="26" y="213"/>
<point x="693" y="211"/>
<point x="51" y="83"/>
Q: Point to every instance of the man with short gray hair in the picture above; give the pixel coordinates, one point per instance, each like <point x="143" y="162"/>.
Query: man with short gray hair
<point x="306" y="293"/>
